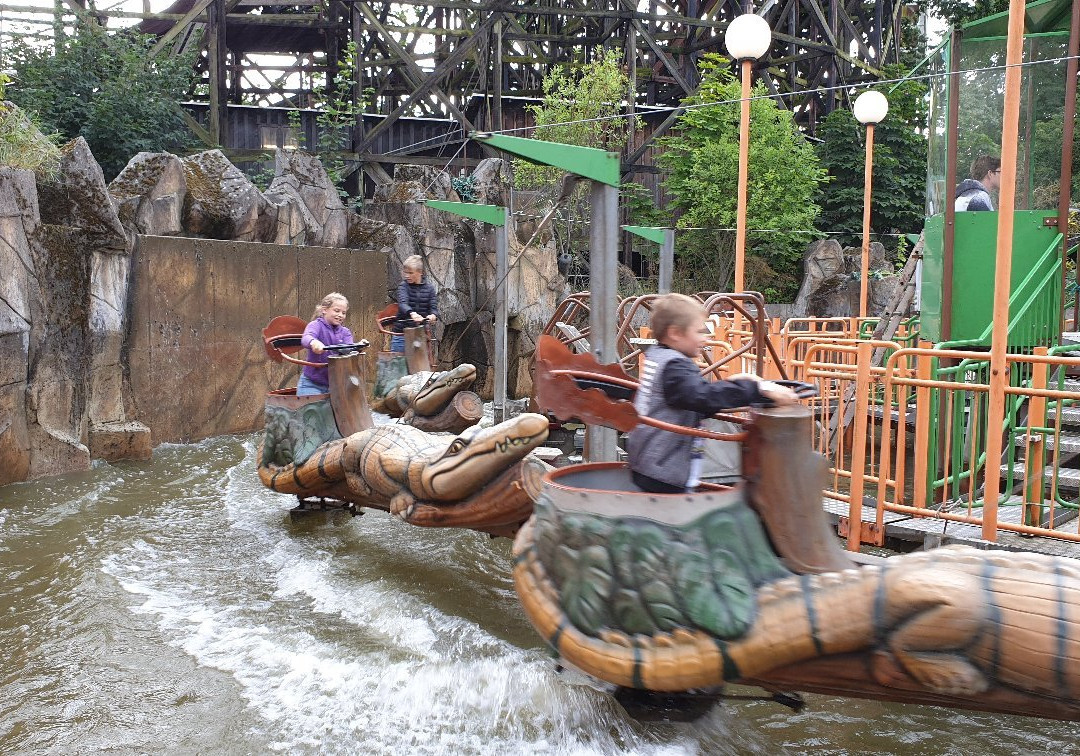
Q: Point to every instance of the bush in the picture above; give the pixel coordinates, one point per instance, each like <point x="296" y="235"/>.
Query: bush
<point x="103" y="87"/>
<point x="703" y="161"/>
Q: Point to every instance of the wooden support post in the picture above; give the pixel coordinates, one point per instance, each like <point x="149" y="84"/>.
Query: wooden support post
<point x="497" y="78"/>
<point x="216" y="69"/>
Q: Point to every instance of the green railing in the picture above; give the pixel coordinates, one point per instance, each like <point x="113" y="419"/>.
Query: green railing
<point x="958" y="430"/>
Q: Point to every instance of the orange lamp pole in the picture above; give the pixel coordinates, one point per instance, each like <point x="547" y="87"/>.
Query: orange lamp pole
<point x="870" y="109"/>
<point x="999" y="369"/>
<point x="748" y="37"/>
<point x="868" y="172"/>
<point x="744" y="169"/>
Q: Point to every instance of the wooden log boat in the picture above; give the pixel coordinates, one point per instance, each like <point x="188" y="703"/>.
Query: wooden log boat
<point x="326" y="448"/>
<point x="746" y="584"/>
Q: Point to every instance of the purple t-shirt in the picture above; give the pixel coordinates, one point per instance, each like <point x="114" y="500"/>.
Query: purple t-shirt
<point x="329" y="335"/>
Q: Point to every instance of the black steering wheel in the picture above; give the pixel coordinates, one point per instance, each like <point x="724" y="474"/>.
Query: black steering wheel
<point x="800" y="389"/>
<point x="354" y="347"/>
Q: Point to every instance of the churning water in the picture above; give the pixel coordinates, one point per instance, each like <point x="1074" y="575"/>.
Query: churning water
<point x="173" y="607"/>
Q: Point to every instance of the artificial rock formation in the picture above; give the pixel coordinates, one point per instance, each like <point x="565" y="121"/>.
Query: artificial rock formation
<point x="79" y="208"/>
<point x="309" y="209"/>
<point x="831" y="281"/>
<point x="65" y="262"/>
<point x="149" y="194"/>
<point x="19" y="235"/>
<point x="221" y="203"/>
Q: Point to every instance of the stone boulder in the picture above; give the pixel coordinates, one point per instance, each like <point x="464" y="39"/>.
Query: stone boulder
<point x="304" y="195"/>
<point x="493" y="179"/>
<point x="79" y="199"/>
<point x="149" y="193"/>
<point x="831" y="281"/>
<point x="416" y="183"/>
<point x="220" y="203"/>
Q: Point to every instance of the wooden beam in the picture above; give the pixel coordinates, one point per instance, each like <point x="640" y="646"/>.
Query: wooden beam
<point x="179" y="26"/>
<point x="410" y="70"/>
<point x="196" y="129"/>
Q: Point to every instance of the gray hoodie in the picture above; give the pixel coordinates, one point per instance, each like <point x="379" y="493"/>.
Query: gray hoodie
<point x="972" y="195"/>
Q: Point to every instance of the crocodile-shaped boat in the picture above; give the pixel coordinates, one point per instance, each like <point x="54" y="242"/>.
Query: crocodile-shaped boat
<point x="747" y="584"/>
<point x="327" y="451"/>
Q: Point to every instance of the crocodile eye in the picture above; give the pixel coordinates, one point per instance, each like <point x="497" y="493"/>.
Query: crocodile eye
<point x="454" y="448"/>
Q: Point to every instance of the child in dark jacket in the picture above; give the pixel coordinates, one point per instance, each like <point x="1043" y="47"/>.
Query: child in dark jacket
<point x="673" y="390"/>
<point x="416" y="298"/>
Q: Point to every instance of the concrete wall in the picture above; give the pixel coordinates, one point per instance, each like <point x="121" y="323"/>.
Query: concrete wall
<point x="198" y="307"/>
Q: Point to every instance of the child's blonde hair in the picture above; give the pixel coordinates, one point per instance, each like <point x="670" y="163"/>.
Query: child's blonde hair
<point x="675" y="311"/>
<point x="328" y="301"/>
<point x="413" y="262"/>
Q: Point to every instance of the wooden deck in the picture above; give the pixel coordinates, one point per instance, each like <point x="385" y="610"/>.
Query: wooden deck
<point x="931" y="532"/>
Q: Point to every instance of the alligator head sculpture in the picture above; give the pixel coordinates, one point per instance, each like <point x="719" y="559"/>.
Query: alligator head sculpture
<point x="435" y="401"/>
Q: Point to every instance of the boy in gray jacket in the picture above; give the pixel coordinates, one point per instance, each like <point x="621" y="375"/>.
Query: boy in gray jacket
<point x="673" y="390"/>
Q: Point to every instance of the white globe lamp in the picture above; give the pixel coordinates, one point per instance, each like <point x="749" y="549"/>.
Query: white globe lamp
<point x="748" y="37"/>
<point x="871" y="107"/>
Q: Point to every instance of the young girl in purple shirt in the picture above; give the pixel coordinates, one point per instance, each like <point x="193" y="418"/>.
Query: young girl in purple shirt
<point x="325" y="329"/>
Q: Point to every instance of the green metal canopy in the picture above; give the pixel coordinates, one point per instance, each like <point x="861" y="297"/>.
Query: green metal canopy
<point x="587" y="162"/>
<point x="651" y="233"/>
<point x="493" y="214"/>
<point x="1040" y="17"/>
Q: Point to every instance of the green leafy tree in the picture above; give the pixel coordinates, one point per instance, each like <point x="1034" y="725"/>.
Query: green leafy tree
<point x="579" y="107"/>
<point x="336" y="118"/>
<point x="962" y="11"/>
<point x="784" y="174"/>
<point x="102" y="86"/>
<point x="899" y="179"/>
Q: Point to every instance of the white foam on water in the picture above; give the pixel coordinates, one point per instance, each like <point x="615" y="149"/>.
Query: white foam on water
<point x="333" y="661"/>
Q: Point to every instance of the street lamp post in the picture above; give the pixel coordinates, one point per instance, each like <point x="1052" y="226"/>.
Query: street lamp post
<point x="748" y="38"/>
<point x="870" y="109"/>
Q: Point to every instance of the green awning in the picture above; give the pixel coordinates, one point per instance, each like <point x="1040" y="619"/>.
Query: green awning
<point x="1041" y="16"/>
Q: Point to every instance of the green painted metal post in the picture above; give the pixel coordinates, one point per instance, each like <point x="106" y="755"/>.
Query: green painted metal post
<point x="501" y="359"/>
<point x="602" y="170"/>
<point x="499" y="217"/>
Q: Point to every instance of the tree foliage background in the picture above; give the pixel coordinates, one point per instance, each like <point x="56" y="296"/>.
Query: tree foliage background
<point x="101" y="86"/>
<point x="702" y="160"/>
<point x="582" y="107"/>
<point x="899" y="180"/>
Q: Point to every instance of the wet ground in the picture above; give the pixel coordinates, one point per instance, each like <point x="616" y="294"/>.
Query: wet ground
<point x="173" y="607"/>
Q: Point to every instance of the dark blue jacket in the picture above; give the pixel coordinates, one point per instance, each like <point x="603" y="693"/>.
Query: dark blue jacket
<point x="419" y="298"/>
<point x="672" y="390"/>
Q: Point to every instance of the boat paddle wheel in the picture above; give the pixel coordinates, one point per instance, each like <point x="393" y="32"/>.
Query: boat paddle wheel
<point x="680" y="594"/>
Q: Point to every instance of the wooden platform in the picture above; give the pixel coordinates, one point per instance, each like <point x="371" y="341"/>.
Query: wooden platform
<point x="931" y="532"/>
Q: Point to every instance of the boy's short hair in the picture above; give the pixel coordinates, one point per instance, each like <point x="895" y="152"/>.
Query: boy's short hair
<point x="675" y="311"/>
<point x="413" y="262"/>
<point x="983" y="164"/>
